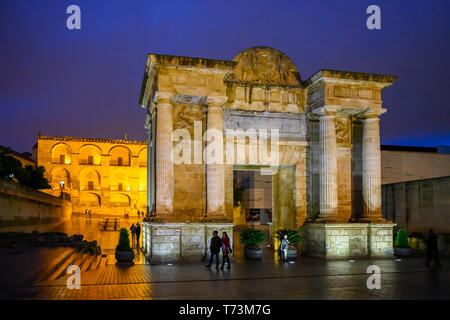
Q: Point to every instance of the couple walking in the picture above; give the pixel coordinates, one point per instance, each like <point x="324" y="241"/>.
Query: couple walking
<point x="135" y="235"/>
<point x="216" y="244"/>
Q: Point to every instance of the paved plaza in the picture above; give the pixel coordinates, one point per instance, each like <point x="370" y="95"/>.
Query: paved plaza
<point x="37" y="273"/>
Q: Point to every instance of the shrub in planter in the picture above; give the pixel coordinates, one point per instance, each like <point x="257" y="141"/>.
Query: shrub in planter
<point x="124" y="254"/>
<point x="402" y="244"/>
<point x="401" y="241"/>
<point x="251" y="238"/>
<point x="293" y="236"/>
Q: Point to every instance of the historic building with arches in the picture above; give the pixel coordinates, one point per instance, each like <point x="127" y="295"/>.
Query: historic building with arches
<point x="108" y="176"/>
<point x="326" y="182"/>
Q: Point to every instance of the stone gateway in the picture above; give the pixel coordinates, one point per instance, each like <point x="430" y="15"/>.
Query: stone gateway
<point x="305" y="153"/>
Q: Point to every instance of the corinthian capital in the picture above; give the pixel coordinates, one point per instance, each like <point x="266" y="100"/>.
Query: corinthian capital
<point x="215" y="101"/>
<point x="163" y="97"/>
<point x="371" y="113"/>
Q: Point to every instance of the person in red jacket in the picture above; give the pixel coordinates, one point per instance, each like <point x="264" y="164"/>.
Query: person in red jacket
<point x="226" y="249"/>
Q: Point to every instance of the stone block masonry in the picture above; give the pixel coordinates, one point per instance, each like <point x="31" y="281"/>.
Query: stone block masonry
<point x="22" y="208"/>
<point x="171" y="242"/>
<point x="347" y="240"/>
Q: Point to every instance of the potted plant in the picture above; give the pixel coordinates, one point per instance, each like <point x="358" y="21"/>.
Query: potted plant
<point x="402" y="244"/>
<point x="124" y="254"/>
<point x="251" y="238"/>
<point x="293" y="238"/>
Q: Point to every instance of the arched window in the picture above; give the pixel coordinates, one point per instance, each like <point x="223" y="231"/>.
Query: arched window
<point x="90" y="155"/>
<point x="119" y="156"/>
<point x="89" y="179"/>
<point x="61" y="153"/>
<point x="60" y="177"/>
<point x="118" y="181"/>
<point x="120" y="200"/>
<point x="143" y="158"/>
<point x="88" y="199"/>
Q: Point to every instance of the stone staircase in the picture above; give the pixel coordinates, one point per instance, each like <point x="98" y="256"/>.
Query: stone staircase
<point x="57" y="268"/>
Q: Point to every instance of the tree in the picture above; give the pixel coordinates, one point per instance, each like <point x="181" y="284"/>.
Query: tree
<point x="29" y="176"/>
<point x="9" y="166"/>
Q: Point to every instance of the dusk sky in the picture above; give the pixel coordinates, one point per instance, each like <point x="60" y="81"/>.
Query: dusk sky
<point x="87" y="82"/>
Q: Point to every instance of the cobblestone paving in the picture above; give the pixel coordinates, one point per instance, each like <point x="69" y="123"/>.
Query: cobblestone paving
<point x="305" y="279"/>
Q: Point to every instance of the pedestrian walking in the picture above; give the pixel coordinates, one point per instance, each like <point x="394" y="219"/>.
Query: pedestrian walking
<point x="226" y="249"/>
<point x="139" y="213"/>
<point x="214" y="247"/>
<point x="133" y="235"/>
<point x="137" y="231"/>
<point x="284" y="247"/>
<point x="432" y="249"/>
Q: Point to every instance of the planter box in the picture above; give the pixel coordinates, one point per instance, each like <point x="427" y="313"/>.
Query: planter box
<point x="291" y="254"/>
<point x="124" y="257"/>
<point x="403" y="252"/>
<point x="251" y="253"/>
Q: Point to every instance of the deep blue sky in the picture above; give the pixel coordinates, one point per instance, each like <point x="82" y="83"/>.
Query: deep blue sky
<point x="87" y="82"/>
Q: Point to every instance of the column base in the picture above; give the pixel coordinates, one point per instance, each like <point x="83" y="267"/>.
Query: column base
<point x="347" y="240"/>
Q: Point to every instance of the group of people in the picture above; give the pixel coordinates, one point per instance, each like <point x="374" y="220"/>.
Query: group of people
<point x="140" y="214"/>
<point x="216" y="244"/>
<point x="135" y="235"/>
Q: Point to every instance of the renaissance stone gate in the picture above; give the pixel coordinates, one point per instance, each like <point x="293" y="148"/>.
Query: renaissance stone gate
<point x="318" y="138"/>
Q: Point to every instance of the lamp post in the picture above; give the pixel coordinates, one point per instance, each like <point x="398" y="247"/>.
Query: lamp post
<point x="61" y="184"/>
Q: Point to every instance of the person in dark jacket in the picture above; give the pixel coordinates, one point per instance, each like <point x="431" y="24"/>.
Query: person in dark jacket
<point x="214" y="247"/>
<point x="137" y="231"/>
<point x="133" y="235"/>
<point x="432" y="248"/>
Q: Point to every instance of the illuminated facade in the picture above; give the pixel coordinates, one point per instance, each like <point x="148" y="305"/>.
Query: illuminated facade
<point x="108" y="176"/>
<point x="326" y="179"/>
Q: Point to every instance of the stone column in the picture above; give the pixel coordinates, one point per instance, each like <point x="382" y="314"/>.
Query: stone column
<point x="328" y="193"/>
<point x="371" y="168"/>
<point x="215" y="177"/>
<point x="164" y="156"/>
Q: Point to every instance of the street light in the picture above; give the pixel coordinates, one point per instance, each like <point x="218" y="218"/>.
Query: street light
<point x="61" y="184"/>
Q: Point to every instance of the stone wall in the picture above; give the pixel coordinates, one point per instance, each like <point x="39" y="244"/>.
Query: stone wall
<point x="418" y="205"/>
<point x="22" y="207"/>
<point x="164" y="242"/>
<point x="401" y="166"/>
<point x="347" y="240"/>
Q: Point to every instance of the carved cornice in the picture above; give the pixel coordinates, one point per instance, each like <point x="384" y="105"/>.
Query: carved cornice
<point x="80" y="139"/>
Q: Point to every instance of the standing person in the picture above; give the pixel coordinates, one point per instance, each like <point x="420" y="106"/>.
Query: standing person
<point x="138" y="213"/>
<point x="432" y="248"/>
<point x="214" y="247"/>
<point x="284" y="246"/>
<point x="226" y="249"/>
<point x="137" y="231"/>
<point x="132" y="229"/>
